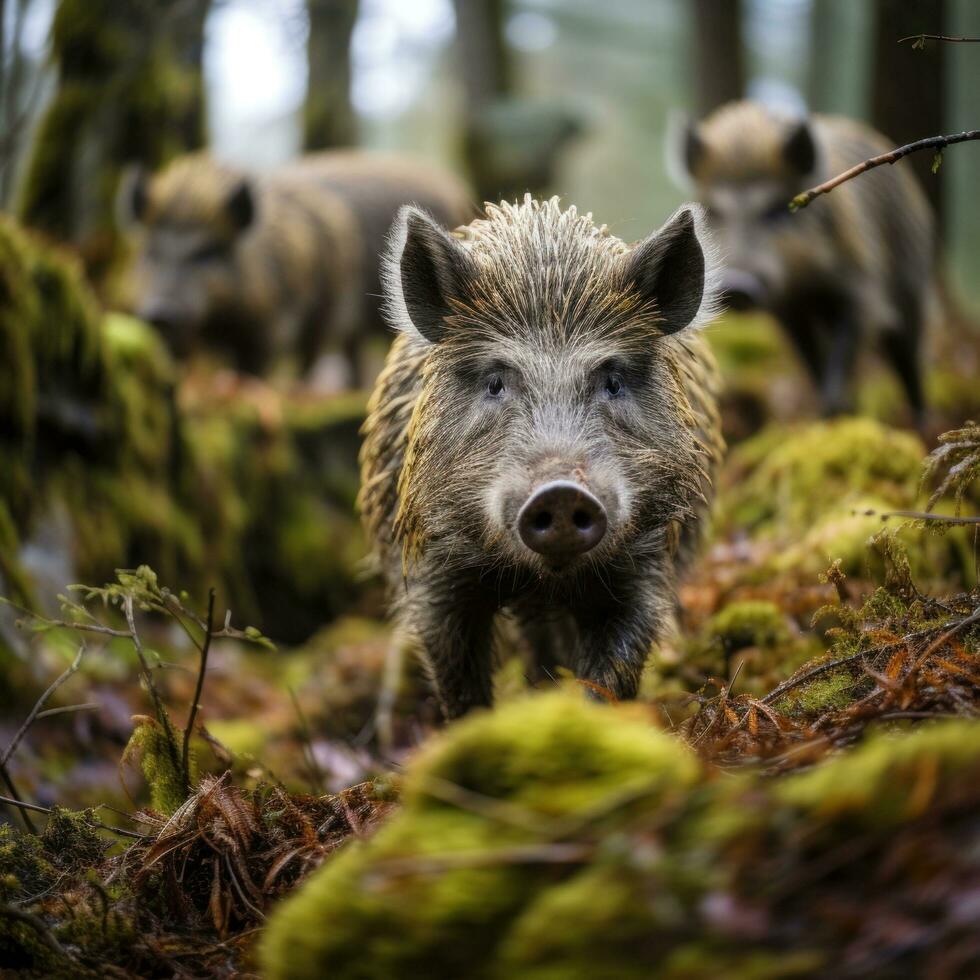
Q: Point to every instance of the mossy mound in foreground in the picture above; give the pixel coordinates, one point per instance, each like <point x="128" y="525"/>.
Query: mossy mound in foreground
<point x="554" y="838"/>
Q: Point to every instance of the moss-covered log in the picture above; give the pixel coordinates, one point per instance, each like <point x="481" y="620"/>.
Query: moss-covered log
<point x="557" y="839"/>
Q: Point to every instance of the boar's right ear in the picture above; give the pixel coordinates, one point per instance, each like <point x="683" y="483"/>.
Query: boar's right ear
<point x="132" y="197"/>
<point x="427" y="270"/>
<point x="800" y="149"/>
<point x="672" y="271"/>
<point x="240" y="205"/>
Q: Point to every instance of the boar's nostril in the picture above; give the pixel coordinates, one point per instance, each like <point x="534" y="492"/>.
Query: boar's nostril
<point x="561" y="520"/>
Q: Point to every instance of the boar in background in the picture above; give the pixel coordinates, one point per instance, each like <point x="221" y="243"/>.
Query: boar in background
<point x="855" y="267"/>
<point x="273" y="266"/>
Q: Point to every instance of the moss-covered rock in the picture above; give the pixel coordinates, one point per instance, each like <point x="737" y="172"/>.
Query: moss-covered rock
<point x="559" y="839"/>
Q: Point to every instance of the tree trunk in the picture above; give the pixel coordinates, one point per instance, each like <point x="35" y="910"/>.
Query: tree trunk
<point x="120" y="99"/>
<point x="189" y="51"/>
<point x="329" y="118"/>
<point x="482" y="53"/>
<point x="908" y="102"/>
<point x="718" y="57"/>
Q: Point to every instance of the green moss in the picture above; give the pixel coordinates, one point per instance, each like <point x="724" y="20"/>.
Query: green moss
<point x="750" y="623"/>
<point x="787" y="478"/>
<point x="159" y="760"/>
<point x="469" y="880"/>
<point x="833" y="690"/>
<point x="891" y="779"/>
<point x="24" y="866"/>
<point x="576" y="755"/>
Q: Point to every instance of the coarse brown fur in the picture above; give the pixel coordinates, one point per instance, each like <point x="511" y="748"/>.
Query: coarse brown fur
<point x="273" y="265"/>
<point x="857" y="265"/>
<point x="550" y="300"/>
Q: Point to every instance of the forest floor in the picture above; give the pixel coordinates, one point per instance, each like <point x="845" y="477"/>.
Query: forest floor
<point x="156" y="839"/>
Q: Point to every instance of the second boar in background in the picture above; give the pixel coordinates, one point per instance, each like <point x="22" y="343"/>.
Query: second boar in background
<point x="278" y="265"/>
<point x="855" y="265"/>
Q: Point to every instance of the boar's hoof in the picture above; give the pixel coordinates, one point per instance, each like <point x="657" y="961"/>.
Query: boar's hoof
<point x="561" y="520"/>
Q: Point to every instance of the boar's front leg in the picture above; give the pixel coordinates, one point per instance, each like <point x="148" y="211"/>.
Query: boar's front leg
<point x="455" y="629"/>
<point x="613" y="647"/>
<point x="835" y="388"/>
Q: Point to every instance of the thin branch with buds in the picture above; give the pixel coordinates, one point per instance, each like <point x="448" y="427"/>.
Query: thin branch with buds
<point x="937" y="143"/>
<point x="919" y="40"/>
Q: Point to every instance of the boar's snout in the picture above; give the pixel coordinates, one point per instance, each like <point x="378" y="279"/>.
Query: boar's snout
<point x="166" y="317"/>
<point x="741" y="290"/>
<point x="561" y="520"/>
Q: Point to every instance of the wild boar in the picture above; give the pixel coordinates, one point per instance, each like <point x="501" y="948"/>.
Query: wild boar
<point x="543" y="439"/>
<point x="272" y="265"/>
<point x="855" y="266"/>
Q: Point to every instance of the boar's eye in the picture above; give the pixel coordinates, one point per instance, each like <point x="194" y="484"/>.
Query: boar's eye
<point x="776" y="213"/>
<point x="613" y="385"/>
<point x="495" y="385"/>
<point x="208" y="251"/>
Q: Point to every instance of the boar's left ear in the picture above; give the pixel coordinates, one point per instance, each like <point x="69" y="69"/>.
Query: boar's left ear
<point x="799" y="148"/>
<point x="132" y="197"/>
<point x="668" y="270"/>
<point x="240" y="205"/>
<point x="426" y="270"/>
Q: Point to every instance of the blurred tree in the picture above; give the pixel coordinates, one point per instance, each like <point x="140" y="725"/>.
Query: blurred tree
<point x="12" y="95"/>
<point x="329" y="118"/>
<point x="718" y="57"/>
<point x="908" y="101"/>
<point x="512" y="144"/>
<point x="123" y="95"/>
<point x="189" y="25"/>
<point x="839" y="70"/>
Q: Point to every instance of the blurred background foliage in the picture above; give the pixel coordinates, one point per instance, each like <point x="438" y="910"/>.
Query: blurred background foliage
<point x="564" y="96"/>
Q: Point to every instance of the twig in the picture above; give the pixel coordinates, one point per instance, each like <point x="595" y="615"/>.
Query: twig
<point x="161" y="712"/>
<point x="316" y="774"/>
<point x="16" y="801"/>
<point x="199" y="687"/>
<point x="823" y="668"/>
<point x="892" y="156"/>
<point x="974" y="617"/>
<point x="37" y="808"/>
<point x="45" y="934"/>
<point x="920" y="39"/>
<point x="921" y="515"/>
<point x="39" y="704"/>
<point x="68" y="709"/>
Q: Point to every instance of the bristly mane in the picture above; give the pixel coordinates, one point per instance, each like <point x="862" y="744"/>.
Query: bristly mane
<point x="545" y="270"/>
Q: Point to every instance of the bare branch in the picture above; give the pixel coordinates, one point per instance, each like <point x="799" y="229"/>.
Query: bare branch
<point x="199" y="687"/>
<point x="920" y="515"/>
<point x="37" y="808"/>
<point x="161" y="712"/>
<point x="919" y="40"/>
<point x="68" y="709"/>
<point x="15" y="800"/>
<point x="937" y="143"/>
<point x="39" y="704"/>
